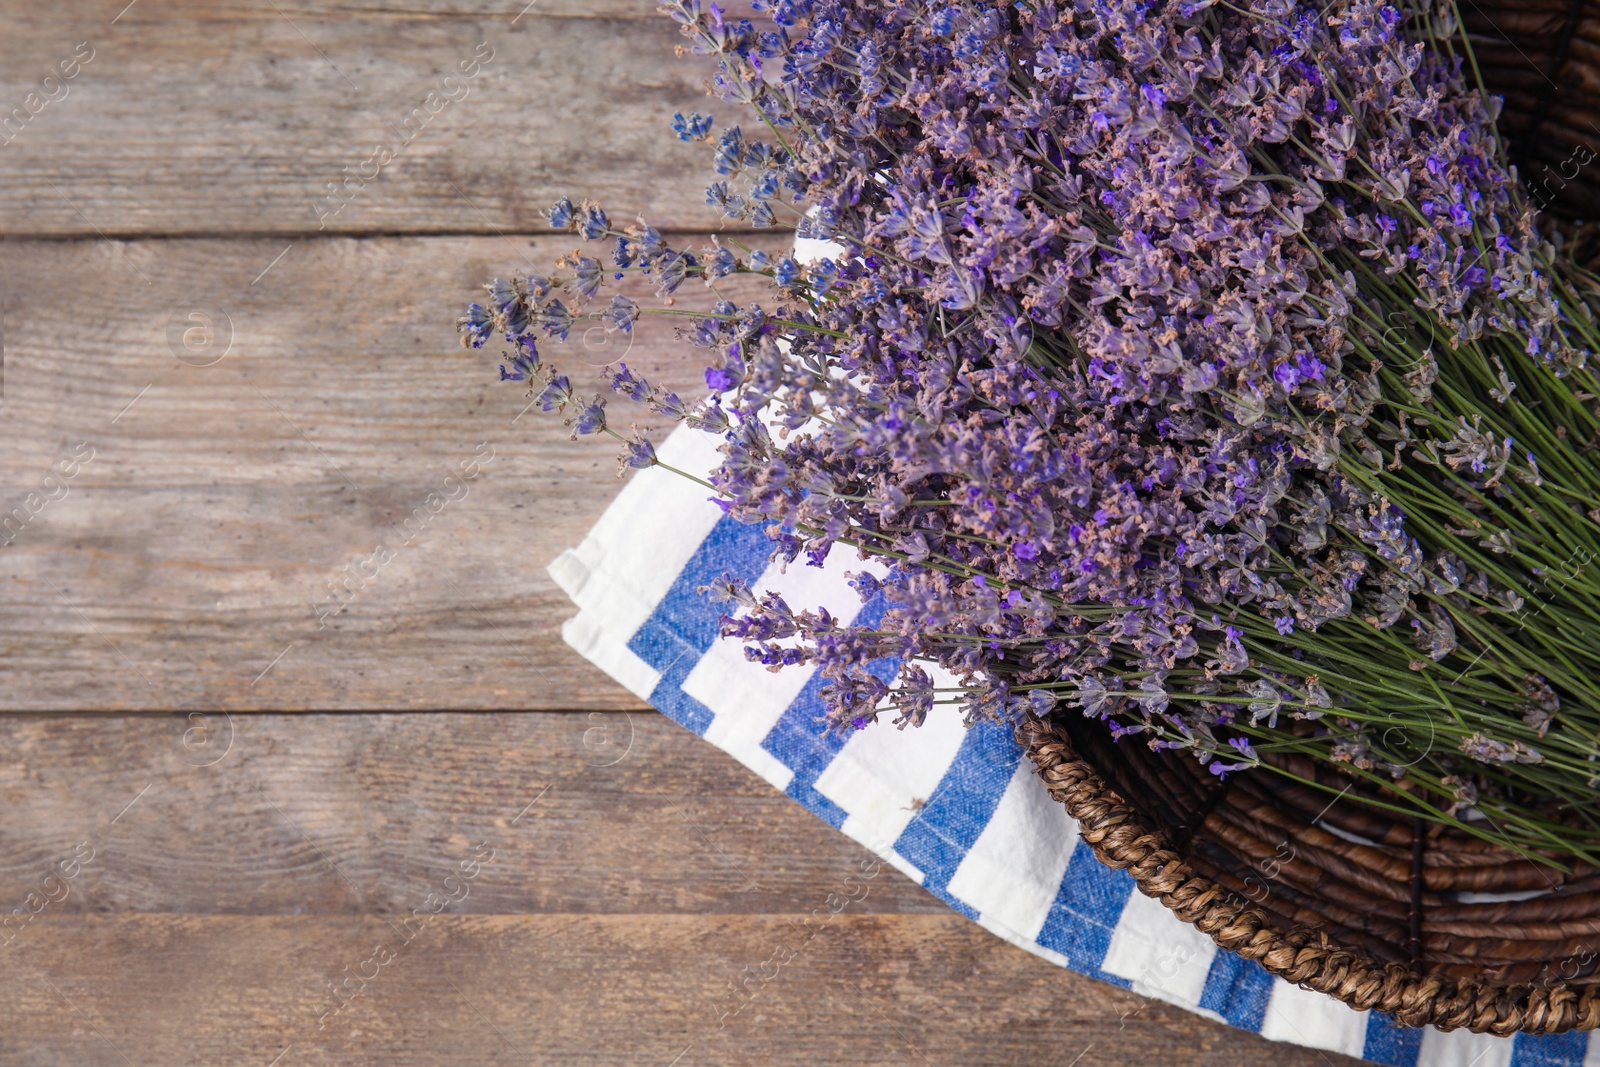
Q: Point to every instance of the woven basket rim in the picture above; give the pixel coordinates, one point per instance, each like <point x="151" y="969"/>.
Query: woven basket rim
<point x="1123" y="838"/>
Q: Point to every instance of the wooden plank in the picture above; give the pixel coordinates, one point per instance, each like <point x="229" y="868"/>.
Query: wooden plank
<point x="200" y="118"/>
<point x="220" y="502"/>
<point x="353" y="814"/>
<point x="221" y="904"/>
<point x="558" y="989"/>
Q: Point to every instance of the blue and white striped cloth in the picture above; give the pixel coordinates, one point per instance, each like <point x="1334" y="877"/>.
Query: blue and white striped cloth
<point x="959" y="811"/>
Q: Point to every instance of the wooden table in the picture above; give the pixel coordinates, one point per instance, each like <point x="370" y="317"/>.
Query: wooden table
<point x="420" y="831"/>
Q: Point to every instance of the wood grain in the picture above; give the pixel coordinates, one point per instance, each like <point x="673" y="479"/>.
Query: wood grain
<point x="218" y="907"/>
<point x="626" y="990"/>
<point x="200" y="118"/>
<point x="216" y="510"/>
<point x="365" y="814"/>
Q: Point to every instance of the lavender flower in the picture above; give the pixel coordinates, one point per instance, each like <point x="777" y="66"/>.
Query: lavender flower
<point x="1152" y="323"/>
<point x="640" y="453"/>
<point x="696" y="127"/>
<point x="1488" y="750"/>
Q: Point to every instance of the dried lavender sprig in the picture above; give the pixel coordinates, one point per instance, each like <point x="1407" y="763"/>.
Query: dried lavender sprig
<point x="1268" y="570"/>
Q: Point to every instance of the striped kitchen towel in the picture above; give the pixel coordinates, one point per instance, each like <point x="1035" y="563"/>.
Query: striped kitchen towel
<point x="959" y="811"/>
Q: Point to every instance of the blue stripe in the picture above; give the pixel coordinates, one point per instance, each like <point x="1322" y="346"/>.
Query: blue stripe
<point x="670" y="700"/>
<point x="684" y="624"/>
<point x="798" y="740"/>
<point x="1390" y="1043"/>
<point x="960" y="907"/>
<point x="1237" y="989"/>
<point x="1085" y="912"/>
<point x="1550" y="1050"/>
<point x="941" y="834"/>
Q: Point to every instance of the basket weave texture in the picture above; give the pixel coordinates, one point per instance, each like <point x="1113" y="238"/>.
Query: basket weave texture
<point x="1378" y="912"/>
<point x="1543" y="58"/>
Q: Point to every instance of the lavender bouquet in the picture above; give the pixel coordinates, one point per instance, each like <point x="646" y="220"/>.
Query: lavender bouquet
<point x="1192" y="365"/>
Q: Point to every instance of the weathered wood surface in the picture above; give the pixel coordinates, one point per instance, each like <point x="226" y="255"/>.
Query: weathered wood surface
<point x="201" y="118"/>
<point x="239" y="866"/>
<point x="192" y="548"/>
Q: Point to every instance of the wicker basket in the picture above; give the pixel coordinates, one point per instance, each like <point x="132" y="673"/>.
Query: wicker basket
<point x="1379" y="912"/>
<point x="1543" y="57"/>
